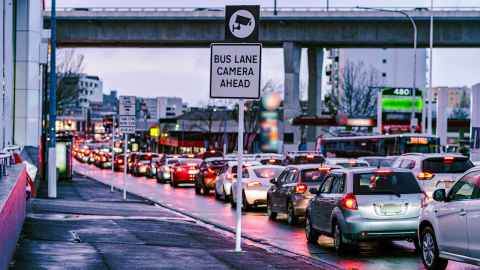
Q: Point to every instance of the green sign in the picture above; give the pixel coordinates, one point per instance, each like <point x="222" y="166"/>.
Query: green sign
<point x="401" y="104"/>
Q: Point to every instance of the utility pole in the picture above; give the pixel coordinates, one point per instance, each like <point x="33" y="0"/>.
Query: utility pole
<point x="52" y="160"/>
<point x="430" y="90"/>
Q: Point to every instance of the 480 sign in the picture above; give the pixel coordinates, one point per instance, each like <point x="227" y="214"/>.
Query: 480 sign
<point x="402" y="92"/>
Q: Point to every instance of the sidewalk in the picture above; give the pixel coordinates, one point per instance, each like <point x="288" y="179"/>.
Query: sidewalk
<point x="89" y="227"/>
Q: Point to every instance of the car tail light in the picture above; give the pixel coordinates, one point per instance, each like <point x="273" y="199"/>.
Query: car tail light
<point x="190" y="155"/>
<point x="425" y="176"/>
<point x="301" y="188"/>
<point x="211" y="171"/>
<point x="254" y="184"/>
<point x="310" y="156"/>
<point x="120" y="161"/>
<point x="104" y="159"/>
<point x="349" y="202"/>
<point x="179" y="169"/>
<point x="272" y="161"/>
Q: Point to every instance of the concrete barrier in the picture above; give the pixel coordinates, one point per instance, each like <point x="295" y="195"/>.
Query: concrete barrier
<point x="12" y="211"/>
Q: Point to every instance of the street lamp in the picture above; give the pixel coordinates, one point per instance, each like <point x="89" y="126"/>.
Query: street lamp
<point x="414" y="25"/>
<point x="430" y="90"/>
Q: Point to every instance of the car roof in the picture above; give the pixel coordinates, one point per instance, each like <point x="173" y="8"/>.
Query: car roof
<point x="312" y="166"/>
<point x="430" y="155"/>
<point x="370" y="170"/>
<point x="266" y="167"/>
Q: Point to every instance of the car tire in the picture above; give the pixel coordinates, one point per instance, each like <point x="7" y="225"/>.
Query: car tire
<point x="233" y="204"/>
<point x="245" y="205"/>
<point x="311" y="234"/>
<point x="205" y="191"/>
<point x="429" y="251"/>
<point x="197" y="190"/>
<point x="338" y="243"/>
<point x="291" y="218"/>
<point x="226" y="198"/>
<point x="271" y="215"/>
<point x="217" y="196"/>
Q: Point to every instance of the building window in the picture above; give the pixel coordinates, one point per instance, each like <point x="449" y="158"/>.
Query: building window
<point x="288" y="138"/>
<point x="384" y="61"/>
<point x="384" y="74"/>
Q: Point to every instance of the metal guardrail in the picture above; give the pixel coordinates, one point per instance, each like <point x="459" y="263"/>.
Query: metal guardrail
<point x="263" y="9"/>
<point x="7" y="158"/>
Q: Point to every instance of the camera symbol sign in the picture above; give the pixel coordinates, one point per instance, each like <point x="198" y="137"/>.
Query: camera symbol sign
<point x="242" y="23"/>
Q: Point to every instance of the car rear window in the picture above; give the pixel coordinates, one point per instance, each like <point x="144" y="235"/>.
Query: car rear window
<point x="267" y="172"/>
<point x="444" y="165"/>
<point x="389" y="183"/>
<point x="352" y="164"/>
<point x="313" y="175"/>
<point x="306" y="159"/>
<point x="216" y="163"/>
<point x="380" y="162"/>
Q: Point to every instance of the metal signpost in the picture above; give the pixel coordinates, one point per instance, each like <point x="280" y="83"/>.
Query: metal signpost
<point x="126" y="126"/>
<point x="235" y="70"/>
<point x="113" y="150"/>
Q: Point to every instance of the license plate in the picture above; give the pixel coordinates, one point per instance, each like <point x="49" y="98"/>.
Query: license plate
<point x="192" y="171"/>
<point x="391" y="209"/>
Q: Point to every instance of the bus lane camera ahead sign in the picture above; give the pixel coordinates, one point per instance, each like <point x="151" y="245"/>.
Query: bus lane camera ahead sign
<point x="235" y="70"/>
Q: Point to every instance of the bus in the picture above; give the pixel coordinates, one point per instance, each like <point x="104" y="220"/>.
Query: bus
<point x="377" y="145"/>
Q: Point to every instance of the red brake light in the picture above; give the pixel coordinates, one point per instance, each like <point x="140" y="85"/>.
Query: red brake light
<point x="349" y="201"/>
<point x="352" y="161"/>
<point x="425" y="176"/>
<point x="448" y="159"/>
<point x="310" y="156"/>
<point x="324" y="169"/>
<point x="301" y="188"/>
<point x="383" y="172"/>
<point x="271" y="160"/>
<point x="212" y="151"/>
<point x="120" y="161"/>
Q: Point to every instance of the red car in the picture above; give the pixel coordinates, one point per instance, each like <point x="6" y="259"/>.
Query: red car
<point x="185" y="171"/>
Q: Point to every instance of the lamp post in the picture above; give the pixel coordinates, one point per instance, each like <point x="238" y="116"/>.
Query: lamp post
<point x="430" y="90"/>
<point x="52" y="167"/>
<point x="275" y="7"/>
<point x="414" y="26"/>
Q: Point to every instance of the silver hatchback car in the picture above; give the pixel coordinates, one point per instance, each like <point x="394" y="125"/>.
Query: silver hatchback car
<point x="354" y="205"/>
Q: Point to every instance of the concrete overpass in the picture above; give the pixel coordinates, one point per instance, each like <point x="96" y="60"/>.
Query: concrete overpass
<point x="198" y="27"/>
<point x="291" y="29"/>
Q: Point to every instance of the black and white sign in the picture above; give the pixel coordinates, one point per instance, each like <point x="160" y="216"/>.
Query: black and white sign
<point x="235" y="71"/>
<point x="127" y="121"/>
<point x="241" y="23"/>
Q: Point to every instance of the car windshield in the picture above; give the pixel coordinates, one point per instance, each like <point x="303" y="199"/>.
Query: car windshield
<point x="380" y="162"/>
<point x="191" y="161"/>
<point x="447" y="165"/>
<point x="385" y="183"/>
<point x="313" y="175"/>
<point x="267" y="172"/>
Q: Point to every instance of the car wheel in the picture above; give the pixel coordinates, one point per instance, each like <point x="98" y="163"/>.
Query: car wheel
<point x="245" y="205"/>
<point x="271" y="215"/>
<point x="430" y="252"/>
<point x="217" y="196"/>
<point x="233" y="204"/>
<point x="291" y="218"/>
<point x="197" y="190"/>
<point x="339" y="244"/>
<point x="205" y="191"/>
<point x="310" y="232"/>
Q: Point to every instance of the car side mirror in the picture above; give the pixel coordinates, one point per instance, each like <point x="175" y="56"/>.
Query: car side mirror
<point x="440" y="195"/>
<point x="273" y="181"/>
<point x="313" y="190"/>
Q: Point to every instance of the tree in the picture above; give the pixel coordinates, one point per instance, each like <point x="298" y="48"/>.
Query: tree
<point x="459" y="113"/>
<point x="69" y="67"/>
<point x="356" y="96"/>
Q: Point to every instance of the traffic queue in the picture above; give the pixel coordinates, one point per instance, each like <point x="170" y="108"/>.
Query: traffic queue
<point x="350" y="200"/>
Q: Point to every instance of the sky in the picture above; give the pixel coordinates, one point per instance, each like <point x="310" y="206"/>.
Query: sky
<point x="185" y="72"/>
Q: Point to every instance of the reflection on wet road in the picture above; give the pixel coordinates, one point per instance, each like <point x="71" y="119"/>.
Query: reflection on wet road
<point x="397" y="255"/>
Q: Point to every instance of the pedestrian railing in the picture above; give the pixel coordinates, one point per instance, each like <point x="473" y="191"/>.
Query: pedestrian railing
<point x="7" y="158"/>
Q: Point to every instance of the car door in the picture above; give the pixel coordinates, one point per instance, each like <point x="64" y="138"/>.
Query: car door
<point x="452" y="218"/>
<point x="333" y="197"/>
<point x="321" y="204"/>
<point x="276" y="189"/>
<point x="286" y="189"/>
<point x="473" y="217"/>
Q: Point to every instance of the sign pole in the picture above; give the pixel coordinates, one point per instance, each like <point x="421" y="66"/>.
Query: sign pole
<point x="113" y="150"/>
<point x="379" y="111"/>
<point x="238" y="232"/>
<point x="125" y="166"/>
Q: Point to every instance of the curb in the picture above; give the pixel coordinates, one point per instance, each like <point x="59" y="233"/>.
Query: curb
<point x="313" y="261"/>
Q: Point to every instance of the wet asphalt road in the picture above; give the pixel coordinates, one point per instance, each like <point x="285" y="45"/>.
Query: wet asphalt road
<point x="397" y="255"/>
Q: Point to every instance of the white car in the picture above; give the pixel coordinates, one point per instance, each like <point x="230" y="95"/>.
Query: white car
<point x="223" y="183"/>
<point x="476" y="163"/>
<point x="346" y="163"/>
<point x="448" y="228"/>
<point x="434" y="170"/>
<point x="255" y="185"/>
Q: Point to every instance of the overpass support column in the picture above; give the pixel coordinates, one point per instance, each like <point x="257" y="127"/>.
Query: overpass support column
<point x="291" y="103"/>
<point x="442" y="115"/>
<point x="315" y="68"/>
<point x="475" y="123"/>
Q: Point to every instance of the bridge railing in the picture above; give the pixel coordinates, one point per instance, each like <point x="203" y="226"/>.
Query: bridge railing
<point x="263" y="9"/>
